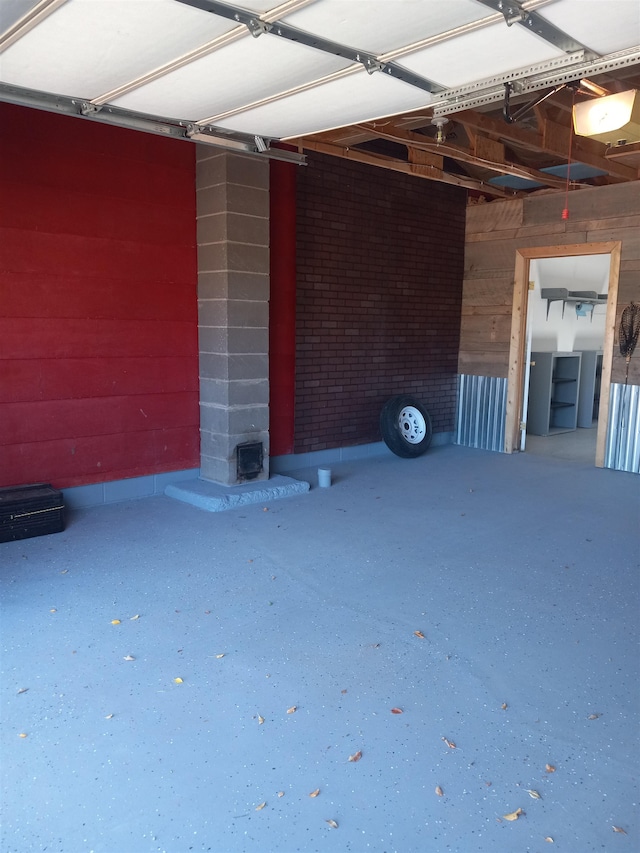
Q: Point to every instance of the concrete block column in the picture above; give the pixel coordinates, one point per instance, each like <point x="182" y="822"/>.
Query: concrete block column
<point x="233" y="308"/>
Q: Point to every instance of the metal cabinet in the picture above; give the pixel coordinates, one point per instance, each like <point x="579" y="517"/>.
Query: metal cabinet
<point x="554" y="382"/>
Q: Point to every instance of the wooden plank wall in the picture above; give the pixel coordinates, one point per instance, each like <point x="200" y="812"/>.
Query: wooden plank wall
<point x="496" y="230"/>
<point x="98" y="309"/>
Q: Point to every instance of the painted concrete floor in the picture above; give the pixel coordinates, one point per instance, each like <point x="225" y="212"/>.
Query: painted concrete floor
<point x="494" y="600"/>
<point x="578" y="445"/>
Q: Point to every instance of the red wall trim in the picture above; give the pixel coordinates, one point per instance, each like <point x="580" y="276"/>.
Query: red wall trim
<point x="282" y="312"/>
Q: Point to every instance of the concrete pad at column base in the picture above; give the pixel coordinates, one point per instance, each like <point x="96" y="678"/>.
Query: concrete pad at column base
<point x="215" y="497"/>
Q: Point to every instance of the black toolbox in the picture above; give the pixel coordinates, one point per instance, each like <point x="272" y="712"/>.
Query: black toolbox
<point x="32" y="510"/>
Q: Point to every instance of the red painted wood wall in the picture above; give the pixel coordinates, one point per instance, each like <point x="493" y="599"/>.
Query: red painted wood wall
<point x="98" y="302"/>
<point x="282" y="308"/>
<point x="379" y="295"/>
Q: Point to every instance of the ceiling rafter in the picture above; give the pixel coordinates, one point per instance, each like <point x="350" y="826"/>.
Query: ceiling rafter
<point x="421" y="170"/>
<point x="584" y="150"/>
<point x="463" y="155"/>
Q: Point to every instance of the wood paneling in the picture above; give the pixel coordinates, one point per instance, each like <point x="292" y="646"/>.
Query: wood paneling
<point x="98" y="317"/>
<point x="596" y="215"/>
<point x="74" y="378"/>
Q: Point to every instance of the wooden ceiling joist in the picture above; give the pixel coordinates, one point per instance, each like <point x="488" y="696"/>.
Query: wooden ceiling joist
<point x="430" y="172"/>
<point x="554" y="139"/>
<point x="463" y="155"/>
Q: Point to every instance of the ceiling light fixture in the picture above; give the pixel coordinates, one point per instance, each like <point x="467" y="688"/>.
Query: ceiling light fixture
<point x="614" y="119"/>
<point x="439" y="124"/>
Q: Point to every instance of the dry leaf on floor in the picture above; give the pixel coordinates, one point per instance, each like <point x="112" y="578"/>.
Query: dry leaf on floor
<point x="315" y="793"/>
<point x="280" y="793"/>
<point x="109" y="717"/>
<point x="22" y="690"/>
<point x="178" y="680"/>
<point x="439" y="791"/>
<point x="549" y="768"/>
<point x="356" y="756"/>
<point x="332" y="823"/>
<point x="260" y="720"/>
<point x="261" y="806"/>
<point x="133" y="618"/>
<point x="615" y="828"/>
<point x="449" y="743"/>
<point x="24" y="734"/>
<point x="513" y="815"/>
<point x="292" y="709"/>
<point x="533" y="794"/>
<point x="593" y="716"/>
<point x="396" y="711"/>
<point x="115" y="621"/>
<point x="128" y="657"/>
<point x="419" y="634"/>
<point x="504" y="706"/>
<point x="343" y="691"/>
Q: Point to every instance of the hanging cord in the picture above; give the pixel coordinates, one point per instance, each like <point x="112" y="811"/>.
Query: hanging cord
<point x="565" y="212"/>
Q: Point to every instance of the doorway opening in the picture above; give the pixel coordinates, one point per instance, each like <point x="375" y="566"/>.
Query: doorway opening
<point x="562" y="335"/>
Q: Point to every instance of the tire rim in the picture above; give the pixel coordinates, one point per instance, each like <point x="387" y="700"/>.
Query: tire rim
<point x="412" y="425"/>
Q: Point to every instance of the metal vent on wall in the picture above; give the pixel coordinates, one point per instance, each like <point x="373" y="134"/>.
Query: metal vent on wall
<point x="250" y="458"/>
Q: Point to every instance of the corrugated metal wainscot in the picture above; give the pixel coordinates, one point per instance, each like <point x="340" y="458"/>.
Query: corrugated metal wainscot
<point x="481" y="412"/>
<point x="622" y="450"/>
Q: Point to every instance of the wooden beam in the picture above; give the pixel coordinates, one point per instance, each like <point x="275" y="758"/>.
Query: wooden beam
<point x="553" y="140"/>
<point x="425" y="158"/>
<point x="429" y="172"/>
<point x="488" y="149"/>
<point x="557" y="140"/>
<point x="463" y="155"/>
<point x="607" y="349"/>
<point x="500" y="129"/>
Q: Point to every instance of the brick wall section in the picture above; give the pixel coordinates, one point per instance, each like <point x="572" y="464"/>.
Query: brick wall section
<point x="379" y="289"/>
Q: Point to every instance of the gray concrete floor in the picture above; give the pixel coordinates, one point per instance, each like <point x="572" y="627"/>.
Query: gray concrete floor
<point x="578" y="445"/>
<point x="293" y="628"/>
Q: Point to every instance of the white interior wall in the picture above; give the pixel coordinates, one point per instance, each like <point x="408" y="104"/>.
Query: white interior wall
<point x="568" y="333"/>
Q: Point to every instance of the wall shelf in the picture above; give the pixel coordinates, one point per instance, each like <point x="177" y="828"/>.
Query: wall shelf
<point x="573" y="297"/>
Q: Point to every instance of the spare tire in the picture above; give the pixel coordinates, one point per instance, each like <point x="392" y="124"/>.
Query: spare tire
<point x="405" y="426"/>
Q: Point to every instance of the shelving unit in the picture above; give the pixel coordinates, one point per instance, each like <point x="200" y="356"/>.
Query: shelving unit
<point x="554" y="383"/>
<point x="589" y="388"/>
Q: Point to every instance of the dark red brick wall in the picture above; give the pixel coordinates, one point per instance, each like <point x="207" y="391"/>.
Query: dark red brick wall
<point x="379" y="292"/>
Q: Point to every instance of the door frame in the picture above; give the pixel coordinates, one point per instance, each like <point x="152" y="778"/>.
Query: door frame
<point x="515" y="380"/>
